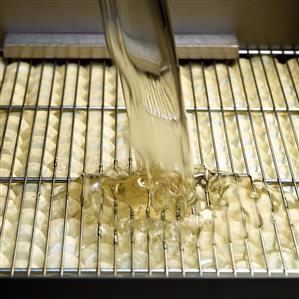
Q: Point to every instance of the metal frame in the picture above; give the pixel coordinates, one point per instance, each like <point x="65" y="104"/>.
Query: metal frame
<point x="279" y="181"/>
<point x="74" y="46"/>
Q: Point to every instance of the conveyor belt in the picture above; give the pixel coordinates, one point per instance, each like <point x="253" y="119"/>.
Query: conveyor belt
<point x="61" y="119"/>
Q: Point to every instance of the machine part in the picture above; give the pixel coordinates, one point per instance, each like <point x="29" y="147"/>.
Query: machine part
<point x="93" y="46"/>
<point x="60" y="119"/>
<point x="256" y="23"/>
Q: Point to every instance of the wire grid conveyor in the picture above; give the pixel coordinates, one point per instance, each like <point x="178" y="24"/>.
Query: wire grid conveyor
<point x="62" y="119"/>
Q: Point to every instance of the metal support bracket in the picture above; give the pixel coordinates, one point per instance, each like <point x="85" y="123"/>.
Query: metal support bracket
<point x="189" y="46"/>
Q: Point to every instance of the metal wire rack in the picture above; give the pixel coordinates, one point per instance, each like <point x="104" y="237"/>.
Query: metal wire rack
<point x="224" y="121"/>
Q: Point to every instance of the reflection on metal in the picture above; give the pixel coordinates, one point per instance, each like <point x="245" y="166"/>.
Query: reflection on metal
<point x="67" y="45"/>
<point x="207" y="46"/>
<point x="55" y="46"/>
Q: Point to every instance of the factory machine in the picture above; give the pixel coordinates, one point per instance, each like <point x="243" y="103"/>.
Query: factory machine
<point x="63" y="121"/>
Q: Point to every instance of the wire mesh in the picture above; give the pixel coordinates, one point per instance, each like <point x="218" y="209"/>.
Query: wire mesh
<point x="65" y="119"/>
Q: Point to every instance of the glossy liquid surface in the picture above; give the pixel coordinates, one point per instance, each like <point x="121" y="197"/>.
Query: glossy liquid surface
<point x="141" y="44"/>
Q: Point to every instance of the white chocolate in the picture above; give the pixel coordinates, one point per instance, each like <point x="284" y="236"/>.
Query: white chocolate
<point x="211" y="230"/>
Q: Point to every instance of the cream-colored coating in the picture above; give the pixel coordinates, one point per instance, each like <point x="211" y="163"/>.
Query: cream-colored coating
<point x="222" y="222"/>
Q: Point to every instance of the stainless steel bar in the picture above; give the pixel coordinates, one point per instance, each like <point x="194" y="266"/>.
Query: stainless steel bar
<point x="40" y="178"/>
<point x="132" y="238"/>
<point x="251" y="125"/>
<point x="93" y="45"/>
<point x="242" y="110"/>
<point x="284" y="182"/>
<point x="165" y="247"/>
<point x="65" y="108"/>
<point x="243" y="219"/>
<point x="99" y="249"/>
<point x="130" y="158"/>
<point x="69" y="174"/>
<point x="244" y="226"/>
<point x="210" y="118"/>
<point x="284" y="96"/>
<point x="148" y="239"/>
<point x="260" y="164"/>
<point x="82" y="202"/>
<point x="10" y="104"/>
<point x="194" y="212"/>
<point x="34" y="180"/>
<point x="157" y="273"/>
<point x="275" y="160"/>
<point x="237" y="120"/>
<point x="115" y="232"/>
<point x="277" y="173"/>
<point x="10" y="179"/>
<point x="252" y="185"/>
<point x="217" y="166"/>
<point x="100" y="170"/>
<point x="297" y="144"/>
<point x="53" y="179"/>
<point x="3" y="78"/>
<point x="230" y="242"/>
<point x="102" y="119"/>
<point x="293" y="82"/>
<point x="232" y="169"/>
<point x="115" y="162"/>
<point x="38" y="191"/>
<point x="25" y="176"/>
<point x="223" y="120"/>
<point x="215" y="248"/>
<point x="196" y="117"/>
<point x="180" y="243"/>
<point x="280" y="133"/>
<point x="82" y="196"/>
<point x="260" y="228"/>
<point x="201" y="157"/>
<point x="182" y="251"/>
<point x="122" y="109"/>
<point x="206" y="185"/>
<point x="99" y="234"/>
<point x="268" y="52"/>
<point x="55" y="46"/>
<point x="290" y="115"/>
